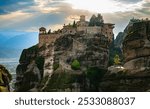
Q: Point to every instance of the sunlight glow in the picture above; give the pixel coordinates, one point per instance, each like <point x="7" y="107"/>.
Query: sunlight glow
<point x="102" y="6"/>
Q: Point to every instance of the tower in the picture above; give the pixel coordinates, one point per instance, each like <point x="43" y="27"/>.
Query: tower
<point x="42" y="30"/>
<point x="82" y="18"/>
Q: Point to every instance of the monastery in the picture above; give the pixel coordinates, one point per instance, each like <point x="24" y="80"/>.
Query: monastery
<point x="96" y="25"/>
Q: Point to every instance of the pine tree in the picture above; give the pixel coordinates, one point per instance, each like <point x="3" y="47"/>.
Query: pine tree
<point x="74" y="24"/>
<point x="117" y="60"/>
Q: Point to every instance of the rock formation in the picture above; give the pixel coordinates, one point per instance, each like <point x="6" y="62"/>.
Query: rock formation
<point x="136" y="45"/>
<point x="135" y="76"/>
<point x="40" y="67"/>
<point x="47" y="66"/>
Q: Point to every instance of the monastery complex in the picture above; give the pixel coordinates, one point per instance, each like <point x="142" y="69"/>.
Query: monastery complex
<point x="96" y="25"/>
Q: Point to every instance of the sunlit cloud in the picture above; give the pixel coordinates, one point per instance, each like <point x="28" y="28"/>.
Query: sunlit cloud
<point x="9" y="20"/>
<point x="29" y="15"/>
<point x="107" y="6"/>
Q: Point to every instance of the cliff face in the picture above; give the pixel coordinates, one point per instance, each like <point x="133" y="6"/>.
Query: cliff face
<point x="126" y="81"/>
<point x="30" y="70"/>
<point x="136" y="46"/>
<point x="136" y="50"/>
<point x="49" y="68"/>
<point x="90" y="50"/>
<point x="119" y="39"/>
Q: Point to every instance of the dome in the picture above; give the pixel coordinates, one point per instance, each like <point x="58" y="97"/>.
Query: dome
<point x="42" y="29"/>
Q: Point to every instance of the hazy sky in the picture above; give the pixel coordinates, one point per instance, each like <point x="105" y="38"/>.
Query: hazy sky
<point x="29" y="15"/>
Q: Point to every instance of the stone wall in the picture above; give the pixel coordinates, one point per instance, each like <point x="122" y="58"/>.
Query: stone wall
<point x="107" y="30"/>
<point x="90" y="30"/>
<point x="47" y="38"/>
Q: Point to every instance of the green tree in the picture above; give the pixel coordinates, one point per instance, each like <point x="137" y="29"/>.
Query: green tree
<point x="74" y="24"/>
<point x="94" y="75"/>
<point x="117" y="60"/>
<point x="40" y="62"/>
<point x="55" y="66"/>
<point x="75" y="65"/>
<point x="96" y="21"/>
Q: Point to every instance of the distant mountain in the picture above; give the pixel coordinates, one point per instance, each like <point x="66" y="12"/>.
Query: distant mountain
<point x="119" y="39"/>
<point x="115" y="48"/>
<point x="12" y="45"/>
<point x="10" y="53"/>
<point x="3" y="39"/>
<point x="22" y="41"/>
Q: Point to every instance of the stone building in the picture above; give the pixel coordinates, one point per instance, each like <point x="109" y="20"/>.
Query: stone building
<point x="46" y="37"/>
<point x="98" y="27"/>
<point x="105" y="29"/>
<point x="68" y="29"/>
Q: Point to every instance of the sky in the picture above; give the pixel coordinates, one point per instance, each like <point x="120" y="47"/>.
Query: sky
<point x="30" y="15"/>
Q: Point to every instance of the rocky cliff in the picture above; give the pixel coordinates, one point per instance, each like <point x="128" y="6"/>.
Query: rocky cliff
<point x="79" y="62"/>
<point x="30" y="70"/>
<point x="134" y="76"/>
<point x="136" y="46"/>
<point x="50" y="67"/>
<point x="126" y="81"/>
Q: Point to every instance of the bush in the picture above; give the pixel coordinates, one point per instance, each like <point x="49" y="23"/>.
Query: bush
<point x="94" y="75"/>
<point x="55" y="66"/>
<point x="40" y="62"/>
<point x="75" y="65"/>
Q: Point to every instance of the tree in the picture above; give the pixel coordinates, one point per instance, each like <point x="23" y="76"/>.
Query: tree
<point x="75" y="65"/>
<point x="117" y="60"/>
<point x="95" y="75"/>
<point x="74" y="24"/>
<point x="96" y="21"/>
<point x="92" y="21"/>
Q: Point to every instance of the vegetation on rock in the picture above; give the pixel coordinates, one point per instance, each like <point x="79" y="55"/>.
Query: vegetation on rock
<point x="40" y="62"/>
<point x="117" y="60"/>
<point x="75" y="65"/>
<point x="96" y="21"/>
<point x="55" y="66"/>
<point x="94" y="74"/>
<point x="31" y="50"/>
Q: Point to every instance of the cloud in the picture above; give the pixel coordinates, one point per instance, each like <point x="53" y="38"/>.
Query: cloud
<point x="8" y="6"/>
<point x="30" y="15"/>
<point x="128" y="1"/>
<point x="11" y="2"/>
<point x="30" y="21"/>
<point x="3" y="11"/>
<point x="145" y="9"/>
<point x="48" y="17"/>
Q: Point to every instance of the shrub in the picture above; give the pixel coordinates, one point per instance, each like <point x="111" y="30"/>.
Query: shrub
<point x="55" y="66"/>
<point x="75" y="65"/>
<point x="40" y="62"/>
<point x="94" y="75"/>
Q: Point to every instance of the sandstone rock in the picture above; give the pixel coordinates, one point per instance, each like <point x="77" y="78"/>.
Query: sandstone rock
<point x="136" y="45"/>
<point x="61" y="54"/>
<point x="127" y="81"/>
<point x="27" y="77"/>
<point x="116" y="69"/>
